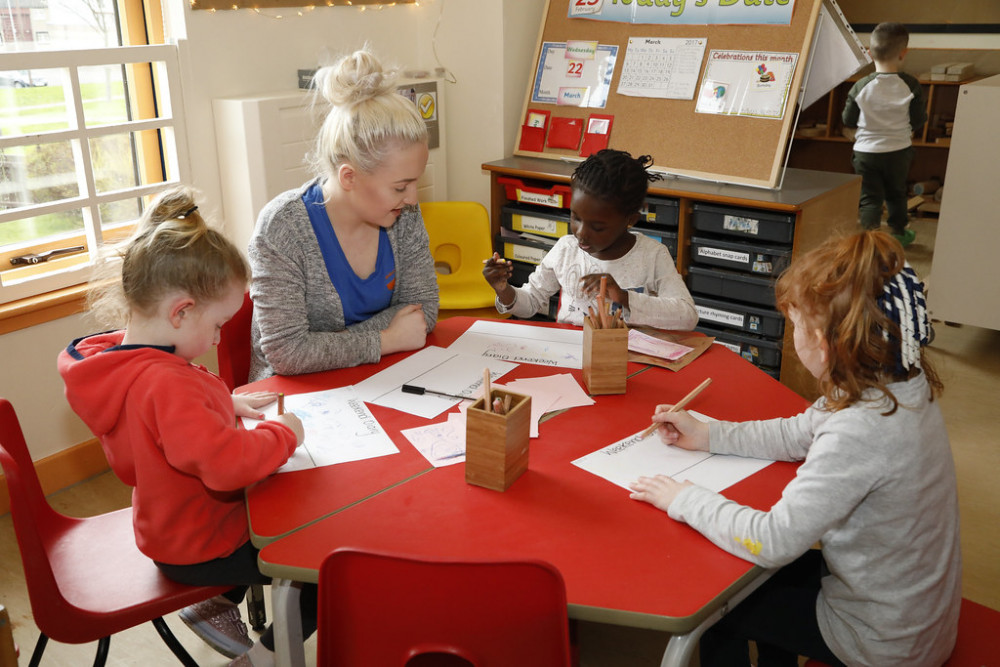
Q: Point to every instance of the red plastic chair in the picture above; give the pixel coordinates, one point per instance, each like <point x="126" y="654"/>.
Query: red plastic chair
<point x="384" y="609"/>
<point x="233" y="349"/>
<point x="86" y="578"/>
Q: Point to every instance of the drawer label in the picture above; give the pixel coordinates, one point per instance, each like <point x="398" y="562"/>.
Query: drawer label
<point x="728" y="346"/>
<point x="526" y="223"/>
<point x="525" y="254"/>
<point x="725" y="255"/>
<point x="540" y="198"/>
<point x="735" y="223"/>
<point x="722" y="316"/>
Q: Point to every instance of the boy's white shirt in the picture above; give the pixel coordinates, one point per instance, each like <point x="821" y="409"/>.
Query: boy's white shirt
<point x="658" y="296"/>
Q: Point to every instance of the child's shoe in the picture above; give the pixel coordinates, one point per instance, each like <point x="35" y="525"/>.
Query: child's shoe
<point x="217" y="621"/>
<point x="258" y="656"/>
<point x="906" y="237"/>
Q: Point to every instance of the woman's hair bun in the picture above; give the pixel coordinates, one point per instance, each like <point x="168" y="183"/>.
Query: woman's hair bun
<point x="354" y="78"/>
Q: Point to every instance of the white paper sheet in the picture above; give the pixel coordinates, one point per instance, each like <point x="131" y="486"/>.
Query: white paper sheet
<point x="435" y="368"/>
<point x="441" y="444"/>
<point x="522" y="343"/>
<point x="338" y="428"/>
<point x="628" y="459"/>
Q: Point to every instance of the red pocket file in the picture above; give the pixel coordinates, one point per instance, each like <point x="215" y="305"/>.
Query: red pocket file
<point x="596" y="133"/>
<point x="565" y="133"/>
<point x="533" y="131"/>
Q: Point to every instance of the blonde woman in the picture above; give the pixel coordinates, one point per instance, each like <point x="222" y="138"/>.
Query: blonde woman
<point x="342" y="271"/>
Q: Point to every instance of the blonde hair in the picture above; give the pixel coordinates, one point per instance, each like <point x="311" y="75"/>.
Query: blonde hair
<point x="836" y="288"/>
<point x="172" y="249"/>
<point x="367" y="116"/>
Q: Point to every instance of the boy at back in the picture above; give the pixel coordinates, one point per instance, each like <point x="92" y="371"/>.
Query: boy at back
<point x="886" y="107"/>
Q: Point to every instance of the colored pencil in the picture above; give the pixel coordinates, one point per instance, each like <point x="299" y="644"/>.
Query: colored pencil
<point x="677" y="406"/>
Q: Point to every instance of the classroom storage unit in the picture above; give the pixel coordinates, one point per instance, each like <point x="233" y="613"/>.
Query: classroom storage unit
<point x="736" y="236"/>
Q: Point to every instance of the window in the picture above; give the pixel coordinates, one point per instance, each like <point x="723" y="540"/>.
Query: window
<point x="90" y="130"/>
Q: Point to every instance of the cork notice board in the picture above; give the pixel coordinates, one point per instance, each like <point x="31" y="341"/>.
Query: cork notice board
<point x="728" y="148"/>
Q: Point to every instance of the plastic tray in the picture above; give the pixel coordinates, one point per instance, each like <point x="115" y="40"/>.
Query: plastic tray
<point x="744" y="222"/>
<point x="745" y="257"/>
<point x="553" y="195"/>
<point x="740" y="316"/>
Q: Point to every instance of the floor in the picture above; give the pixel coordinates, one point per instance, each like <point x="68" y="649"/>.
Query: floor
<point x="967" y="359"/>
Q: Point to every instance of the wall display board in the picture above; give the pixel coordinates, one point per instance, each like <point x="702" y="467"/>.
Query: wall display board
<point x="709" y="89"/>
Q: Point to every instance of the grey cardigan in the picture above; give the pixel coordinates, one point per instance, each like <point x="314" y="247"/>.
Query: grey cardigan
<point x="298" y="320"/>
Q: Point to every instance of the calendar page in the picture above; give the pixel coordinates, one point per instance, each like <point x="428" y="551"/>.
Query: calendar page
<point x="665" y="67"/>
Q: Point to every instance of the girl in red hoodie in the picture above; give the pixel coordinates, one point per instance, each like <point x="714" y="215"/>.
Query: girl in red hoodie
<point x="168" y="426"/>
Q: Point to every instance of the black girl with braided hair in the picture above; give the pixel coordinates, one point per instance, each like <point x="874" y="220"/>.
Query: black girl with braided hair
<point x="876" y="488"/>
<point x="609" y="190"/>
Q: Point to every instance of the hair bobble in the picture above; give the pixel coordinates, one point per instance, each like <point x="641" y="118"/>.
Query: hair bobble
<point x="902" y="300"/>
<point x="187" y="213"/>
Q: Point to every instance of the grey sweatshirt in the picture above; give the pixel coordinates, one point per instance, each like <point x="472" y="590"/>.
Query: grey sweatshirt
<point x="298" y="320"/>
<point x="879" y="493"/>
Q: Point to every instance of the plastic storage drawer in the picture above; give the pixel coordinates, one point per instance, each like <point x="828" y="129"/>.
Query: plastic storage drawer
<point x="668" y="239"/>
<point x="523" y="250"/>
<point x="553" y="195"/>
<point x="731" y="285"/>
<point x="746" y="257"/>
<point x="761" y="321"/>
<point x="744" y="222"/>
<point x="661" y="212"/>
<point x="535" y="220"/>
<point x="758" y="350"/>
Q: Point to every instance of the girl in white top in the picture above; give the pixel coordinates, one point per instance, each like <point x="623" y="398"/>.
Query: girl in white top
<point x="609" y="190"/>
<point x="876" y="488"/>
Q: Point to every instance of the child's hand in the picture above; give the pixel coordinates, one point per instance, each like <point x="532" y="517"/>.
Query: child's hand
<point x="658" y="491"/>
<point x="406" y="331"/>
<point x="497" y="271"/>
<point x="291" y="421"/>
<point x="590" y="286"/>
<point x="246" y="404"/>
<point x="681" y="429"/>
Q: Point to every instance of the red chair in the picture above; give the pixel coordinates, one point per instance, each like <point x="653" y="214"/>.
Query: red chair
<point x="233" y="349"/>
<point x="86" y="578"/>
<point x="384" y="609"/>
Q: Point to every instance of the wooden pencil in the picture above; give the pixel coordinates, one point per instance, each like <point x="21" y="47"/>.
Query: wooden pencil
<point x="678" y="406"/>
<point x="281" y="403"/>
<point x="486" y="390"/>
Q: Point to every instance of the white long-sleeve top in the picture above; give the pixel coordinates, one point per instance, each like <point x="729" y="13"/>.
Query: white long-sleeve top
<point x="879" y="493"/>
<point x="657" y="296"/>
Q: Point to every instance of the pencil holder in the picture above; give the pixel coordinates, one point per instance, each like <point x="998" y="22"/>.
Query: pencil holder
<point x="605" y="358"/>
<point x="496" y="445"/>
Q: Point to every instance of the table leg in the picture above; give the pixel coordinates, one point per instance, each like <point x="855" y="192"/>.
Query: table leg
<point x="681" y="648"/>
<point x="287" y="623"/>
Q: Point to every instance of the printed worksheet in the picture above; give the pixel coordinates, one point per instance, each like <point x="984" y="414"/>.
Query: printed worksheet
<point x="522" y="343"/>
<point x="338" y="427"/>
<point x="623" y="462"/>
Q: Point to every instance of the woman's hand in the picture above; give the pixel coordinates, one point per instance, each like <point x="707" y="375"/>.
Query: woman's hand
<point x="659" y="491"/>
<point x="681" y="429"/>
<point x="406" y="331"/>
<point x="246" y="404"/>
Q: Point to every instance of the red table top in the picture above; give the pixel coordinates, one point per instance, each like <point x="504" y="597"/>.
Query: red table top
<point x="623" y="561"/>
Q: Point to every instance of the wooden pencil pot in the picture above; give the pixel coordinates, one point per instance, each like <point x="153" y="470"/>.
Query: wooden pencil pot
<point x="605" y="358"/>
<point x="496" y="445"/>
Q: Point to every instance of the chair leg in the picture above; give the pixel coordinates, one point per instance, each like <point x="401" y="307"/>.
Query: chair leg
<point x="171" y="641"/>
<point x="36" y="655"/>
<point x="256" y="611"/>
<point x="103" y="646"/>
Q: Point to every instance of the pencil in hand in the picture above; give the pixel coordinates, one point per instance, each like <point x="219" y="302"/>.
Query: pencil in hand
<point x="677" y="406"/>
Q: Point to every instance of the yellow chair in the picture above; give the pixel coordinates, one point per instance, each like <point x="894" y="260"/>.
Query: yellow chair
<point x="459" y="233"/>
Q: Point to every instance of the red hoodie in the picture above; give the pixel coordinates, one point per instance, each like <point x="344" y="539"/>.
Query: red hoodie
<point x="169" y="430"/>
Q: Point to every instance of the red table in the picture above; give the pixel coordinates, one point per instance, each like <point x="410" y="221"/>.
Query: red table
<point x="624" y="562"/>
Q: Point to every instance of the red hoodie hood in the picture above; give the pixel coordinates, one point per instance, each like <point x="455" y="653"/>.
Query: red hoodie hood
<point x="99" y="371"/>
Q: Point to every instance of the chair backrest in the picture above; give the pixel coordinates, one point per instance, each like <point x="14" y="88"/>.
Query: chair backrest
<point x="460" y="240"/>
<point x="385" y="609"/>
<point x="233" y="350"/>
<point x="34" y="519"/>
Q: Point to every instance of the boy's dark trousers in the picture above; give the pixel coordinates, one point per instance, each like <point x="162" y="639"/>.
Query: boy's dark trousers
<point x="883" y="179"/>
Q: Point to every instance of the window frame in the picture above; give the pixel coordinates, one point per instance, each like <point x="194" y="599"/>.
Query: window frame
<point x="64" y="292"/>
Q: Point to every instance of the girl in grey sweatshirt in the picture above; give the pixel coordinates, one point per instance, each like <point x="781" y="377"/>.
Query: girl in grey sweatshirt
<point x="876" y="488"/>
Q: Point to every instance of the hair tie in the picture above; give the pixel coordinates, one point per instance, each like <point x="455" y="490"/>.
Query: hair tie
<point x="902" y="300"/>
<point x="187" y="213"/>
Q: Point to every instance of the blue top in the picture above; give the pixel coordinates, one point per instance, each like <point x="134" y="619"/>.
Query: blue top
<point x="361" y="297"/>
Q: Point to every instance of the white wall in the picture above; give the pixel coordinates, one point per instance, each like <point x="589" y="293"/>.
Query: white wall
<point x="487" y="44"/>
